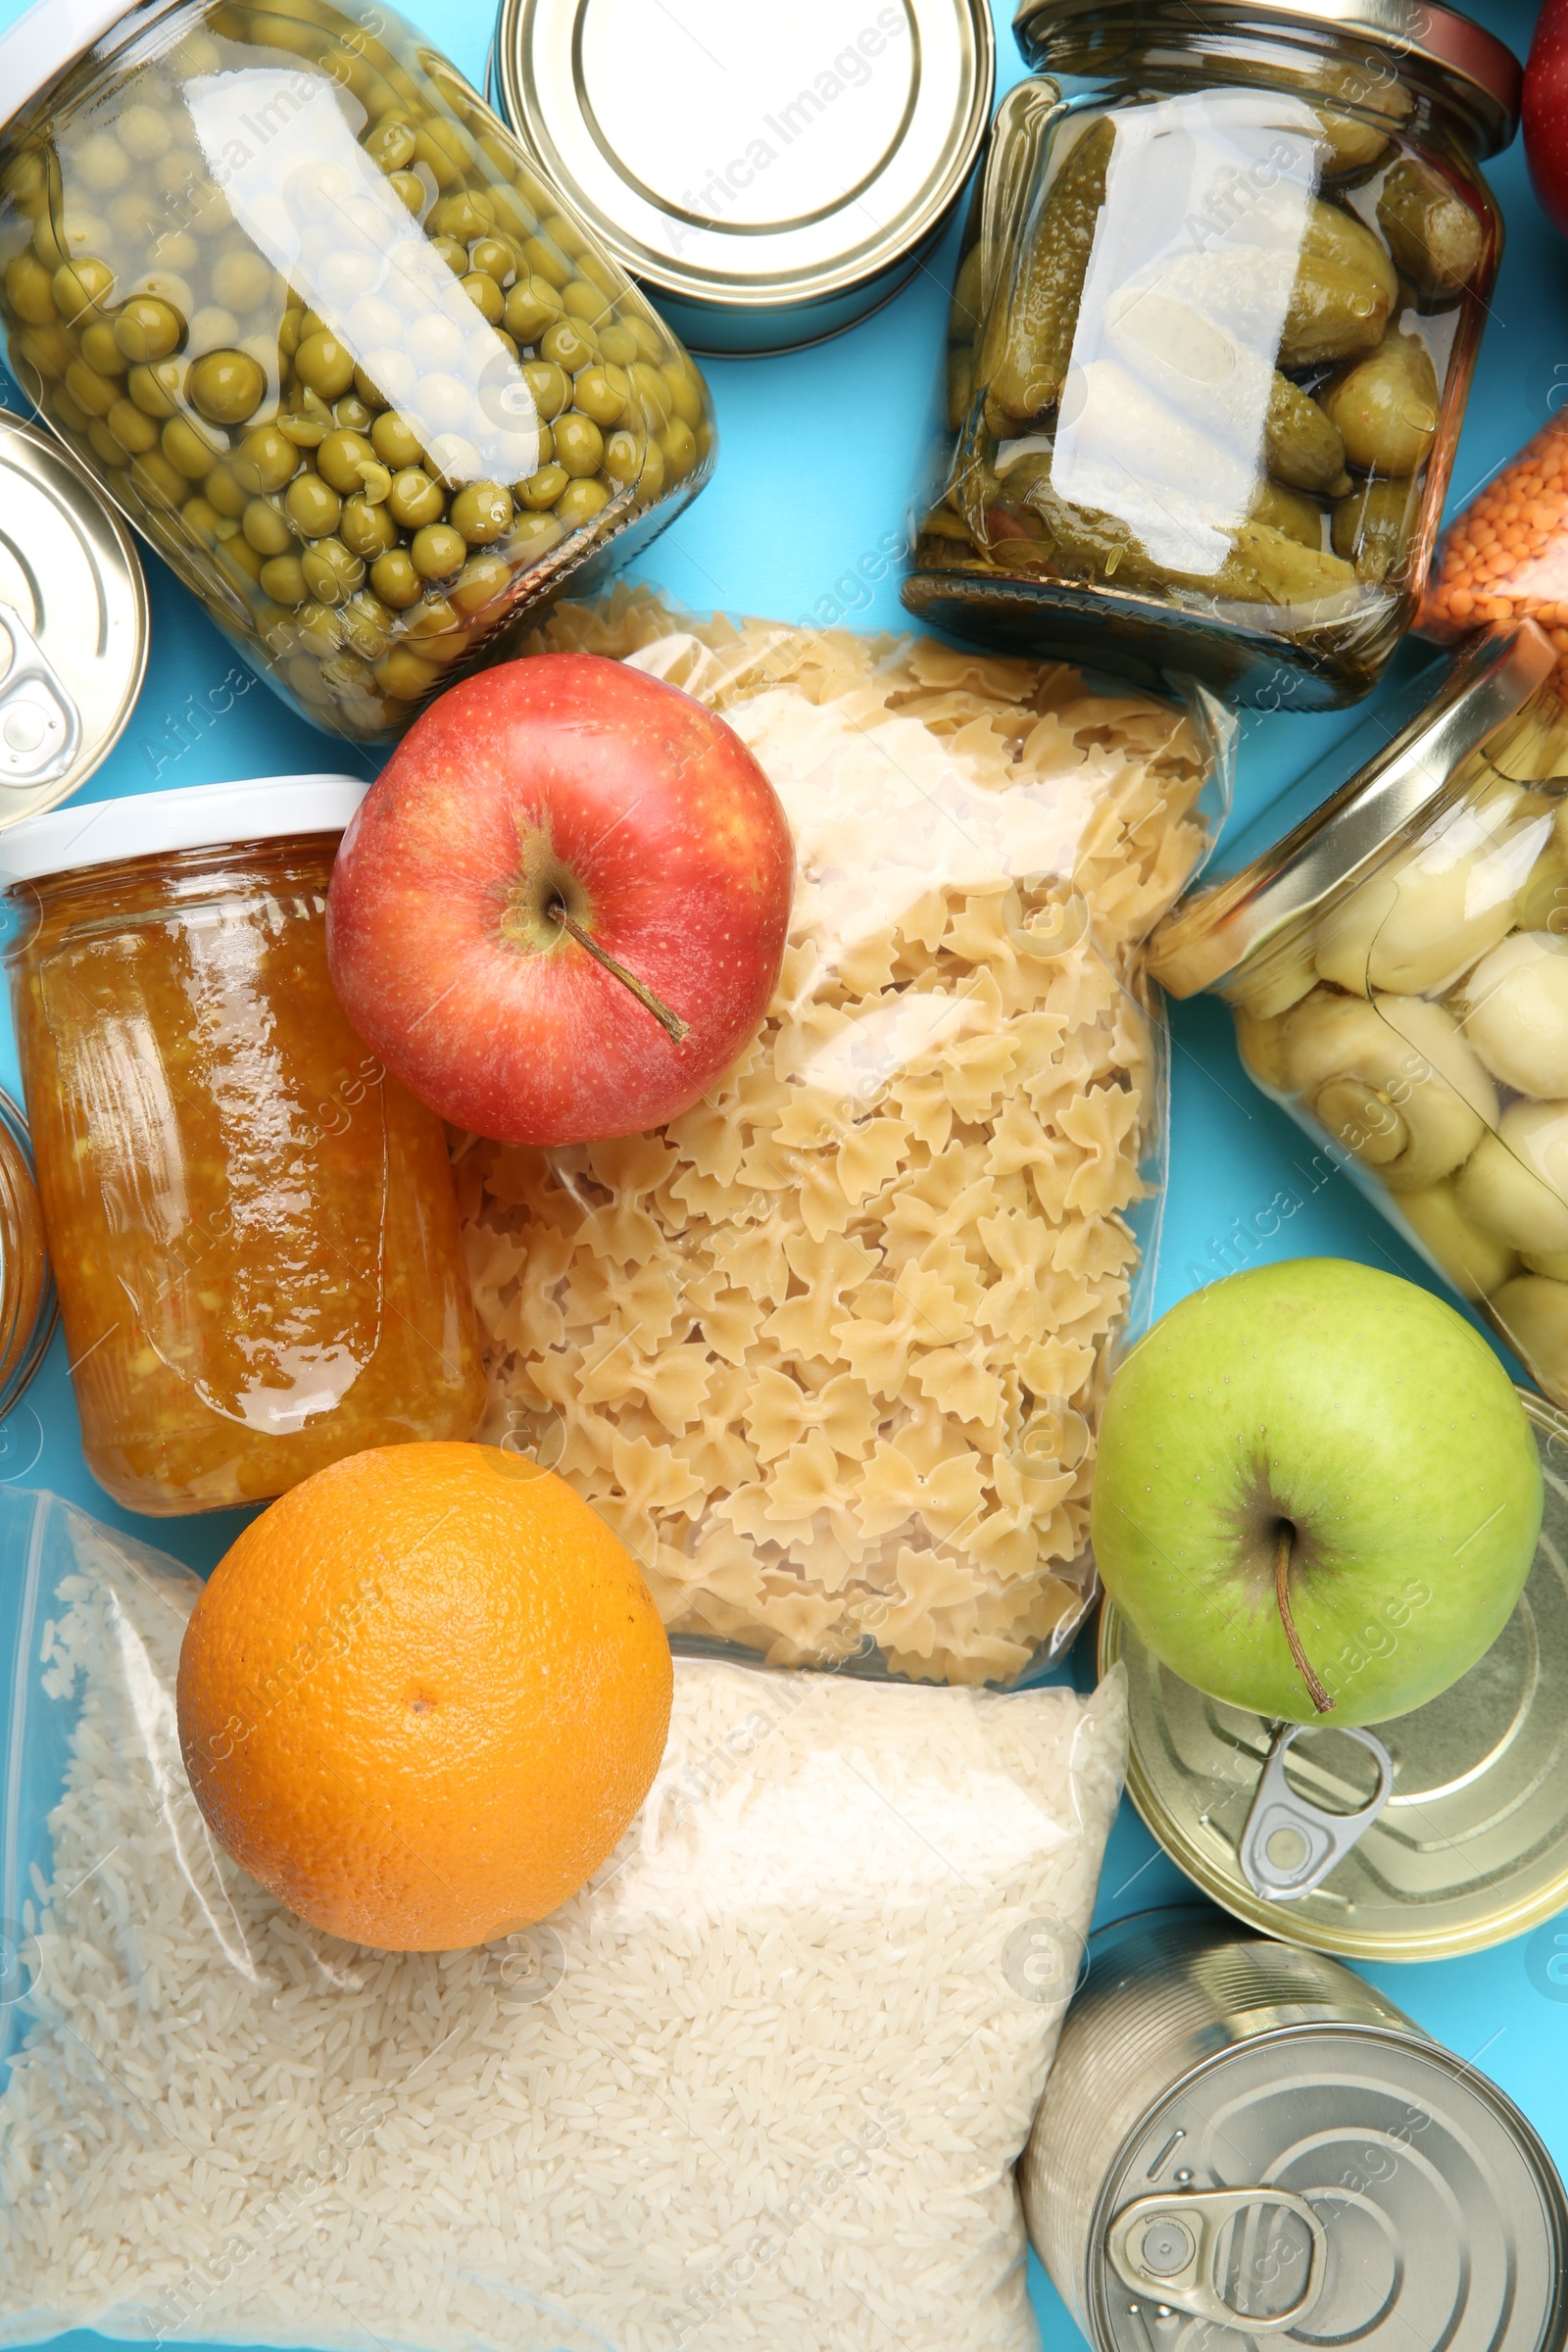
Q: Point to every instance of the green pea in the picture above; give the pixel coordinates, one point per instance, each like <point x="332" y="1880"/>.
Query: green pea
<point x="318" y="626"/>
<point x="653" y="393"/>
<point x="332" y="572"/>
<point x="147" y="330"/>
<point x="623" y="456"/>
<point x="564" y="233"/>
<point x="481" y="513"/>
<point x="549" y="385"/>
<point x="534" y="536"/>
<point x="366" y="395"/>
<point x="404" y="676"/>
<point x="546" y="262"/>
<point x="325" y="364"/>
<point x="685" y="393"/>
<point x="132" y="429"/>
<point x="104" y="442"/>
<point x="415" y="499"/>
<point x="569" y="344"/>
<point x="453" y="252"/>
<point x="579" y="444"/>
<point x="495" y="257"/>
<point x="679" y="445"/>
<point x="485" y="295"/>
<point x="543" y="488"/>
<point x="340" y="456"/>
<point x="185" y="449"/>
<point x="312" y="504"/>
<point x="367" y="625"/>
<point x="369" y="530"/>
<point x="395" y="441"/>
<point x="580" y="502"/>
<point x="602" y="393"/>
<point x="439" y="551"/>
<point x="223" y="489"/>
<point x="390" y="146"/>
<point x="226" y="386"/>
<point x="461" y="214"/>
<point x="265" y="528"/>
<point x="266" y="460"/>
<point x="79" y="287"/>
<point x="283" y="580"/>
<point x="531" y="305"/>
<point x="480" y="583"/>
<point x="618" y="343"/>
<point x="156" y="388"/>
<point x="410" y="188"/>
<point x="100" y="350"/>
<point x="395" y="581"/>
<point x="582" y="301"/>
<point x="242" y="279"/>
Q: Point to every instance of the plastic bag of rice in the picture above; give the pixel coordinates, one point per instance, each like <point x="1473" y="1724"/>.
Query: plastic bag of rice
<point x="762" y="2084"/>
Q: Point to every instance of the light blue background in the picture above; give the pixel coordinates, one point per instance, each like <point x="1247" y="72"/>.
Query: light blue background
<point x="822" y="456"/>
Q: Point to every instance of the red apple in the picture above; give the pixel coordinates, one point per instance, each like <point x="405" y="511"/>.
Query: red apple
<point x="559" y="913"/>
<point x="1544" y="111"/>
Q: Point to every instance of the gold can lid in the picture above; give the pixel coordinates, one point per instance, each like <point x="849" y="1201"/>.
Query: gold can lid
<point x="1472" y="1845"/>
<point x="1322" y="835"/>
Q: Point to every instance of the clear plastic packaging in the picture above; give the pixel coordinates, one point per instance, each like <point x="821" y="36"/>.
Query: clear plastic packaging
<point x="828" y="1350"/>
<point x="1503" y="559"/>
<point x="762" y="2085"/>
<point x="304" y="310"/>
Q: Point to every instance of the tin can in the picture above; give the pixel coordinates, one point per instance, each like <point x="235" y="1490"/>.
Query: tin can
<point x="1249" y="2137"/>
<point x="1470" y="1845"/>
<point x="73" y="622"/>
<point x="769" y="175"/>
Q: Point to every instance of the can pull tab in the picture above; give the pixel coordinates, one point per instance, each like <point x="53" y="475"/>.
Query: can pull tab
<point x="1289" y="1844"/>
<point x="40" y="726"/>
<point x="1169" y="2248"/>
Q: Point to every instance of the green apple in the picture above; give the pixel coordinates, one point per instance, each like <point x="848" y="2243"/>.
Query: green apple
<point x="1316" y="1492"/>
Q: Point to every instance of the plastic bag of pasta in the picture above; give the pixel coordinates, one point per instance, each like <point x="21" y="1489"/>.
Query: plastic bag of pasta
<point x="828" y="1350"/>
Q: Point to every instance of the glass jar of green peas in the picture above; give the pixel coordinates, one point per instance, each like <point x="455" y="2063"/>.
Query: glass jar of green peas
<point x="305" y="309"/>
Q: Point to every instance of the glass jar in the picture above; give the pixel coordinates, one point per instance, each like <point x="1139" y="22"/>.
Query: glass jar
<point x="27" y="1289"/>
<point x="1211" y="337"/>
<point x="296" y="298"/>
<point x="254" y="1229"/>
<point x="1396" y="960"/>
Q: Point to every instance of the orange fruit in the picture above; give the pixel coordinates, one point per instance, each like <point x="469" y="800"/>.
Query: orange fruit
<point x="424" y="1694"/>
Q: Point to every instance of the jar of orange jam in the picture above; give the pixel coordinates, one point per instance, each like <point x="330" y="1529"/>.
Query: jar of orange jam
<point x="254" y="1229"/>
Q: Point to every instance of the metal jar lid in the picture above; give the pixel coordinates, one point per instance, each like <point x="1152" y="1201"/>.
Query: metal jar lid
<point x="1317" y="840"/>
<point x="1472" y="1844"/>
<point x="73" y="622"/>
<point x="1481" y="71"/>
<point x="769" y="175"/>
<point x="1240" y="2143"/>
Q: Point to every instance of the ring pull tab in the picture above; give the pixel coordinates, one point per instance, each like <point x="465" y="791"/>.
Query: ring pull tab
<point x="40" y="726"/>
<point x="1289" y="1844"/>
<point x="1169" y="2249"/>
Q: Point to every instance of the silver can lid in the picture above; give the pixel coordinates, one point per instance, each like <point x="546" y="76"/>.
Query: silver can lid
<point x="73" y="622"/>
<point x="768" y="174"/>
<point x="1472" y="1844"/>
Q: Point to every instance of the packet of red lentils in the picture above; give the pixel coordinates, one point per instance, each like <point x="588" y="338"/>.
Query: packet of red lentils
<point x="1504" y="558"/>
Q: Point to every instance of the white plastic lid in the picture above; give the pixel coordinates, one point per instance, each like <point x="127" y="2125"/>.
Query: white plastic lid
<point x="152" y="824"/>
<point x="44" y="40"/>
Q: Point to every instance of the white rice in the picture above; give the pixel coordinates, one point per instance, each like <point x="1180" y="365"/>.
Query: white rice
<point x="762" y="2086"/>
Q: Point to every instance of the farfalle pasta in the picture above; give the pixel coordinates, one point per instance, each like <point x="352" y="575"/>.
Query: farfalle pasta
<point x="828" y="1351"/>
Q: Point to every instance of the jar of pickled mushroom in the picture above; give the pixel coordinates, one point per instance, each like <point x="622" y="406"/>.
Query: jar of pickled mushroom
<point x="1211" y="336"/>
<point x="1396" y="954"/>
<point x="26" y="1290"/>
<point x="294" y="295"/>
<point x="253" y="1228"/>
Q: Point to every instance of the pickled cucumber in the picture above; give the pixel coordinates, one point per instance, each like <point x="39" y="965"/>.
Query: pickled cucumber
<point x="1433" y="234"/>
<point x="1029" y="336"/>
<point x="1344" y="290"/>
<point x="1372" y="527"/>
<point x="1302" y="446"/>
<point x="1386" y="408"/>
<point x="1289" y="511"/>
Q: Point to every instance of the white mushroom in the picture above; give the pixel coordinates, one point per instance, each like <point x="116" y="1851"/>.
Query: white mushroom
<point x="1474" y="1263"/>
<point x="1262" y="1045"/>
<point x="1391" y="1081"/>
<point x="1552" y="1262"/>
<point x="1515" y="1183"/>
<point x="1514" y="1011"/>
<point x="1426" y="920"/>
<point x="1275" y="981"/>
<point x="1533" y="1316"/>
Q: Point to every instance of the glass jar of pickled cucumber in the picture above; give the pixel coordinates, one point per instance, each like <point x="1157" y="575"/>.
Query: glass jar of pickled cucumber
<point x="1211" y="336"/>
<point x="295" y="296"/>
<point x="1396" y="954"/>
<point x="253" y="1228"/>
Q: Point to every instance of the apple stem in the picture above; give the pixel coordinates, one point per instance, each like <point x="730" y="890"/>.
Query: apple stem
<point x="668" y="1020"/>
<point x="1304" y="1665"/>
